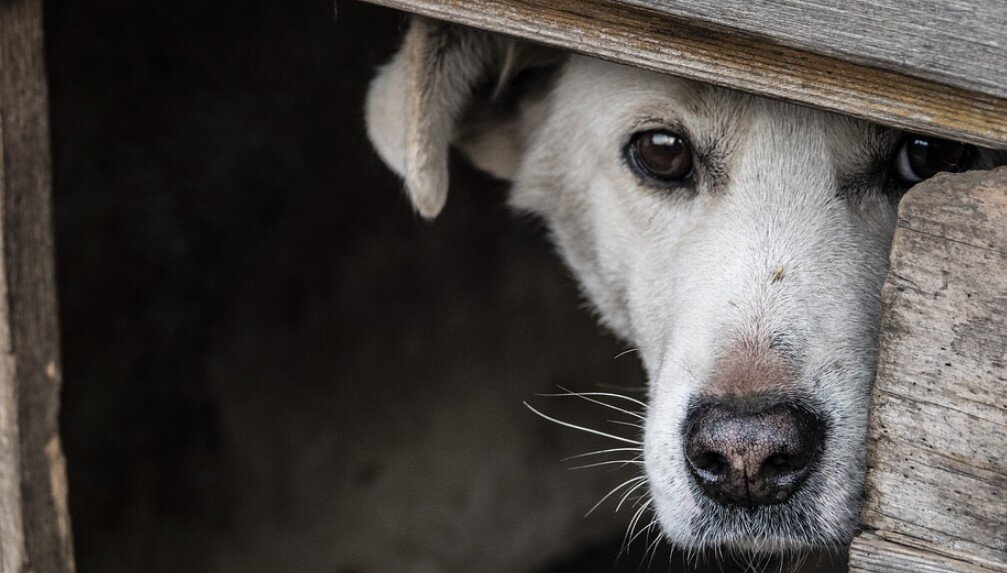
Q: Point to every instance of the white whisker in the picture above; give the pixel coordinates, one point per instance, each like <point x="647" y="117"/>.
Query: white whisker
<point x="632" y="525"/>
<point x="652" y="548"/>
<point x="588" y="396"/>
<point x="608" y="463"/>
<point x="641" y="532"/>
<point x="625" y="352"/>
<point x="602" y="452"/>
<point x="615" y="489"/>
<point x="583" y="429"/>
<point x="622" y="423"/>
<point x="628" y="493"/>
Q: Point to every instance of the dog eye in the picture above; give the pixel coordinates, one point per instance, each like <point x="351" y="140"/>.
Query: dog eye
<point x="660" y="155"/>
<point x="923" y="157"/>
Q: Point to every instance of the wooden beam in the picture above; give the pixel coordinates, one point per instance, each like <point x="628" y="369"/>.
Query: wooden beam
<point x="730" y="57"/>
<point x="959" y="43"/>
<point x="34" y="521"/>
<point x="937" y="459"/>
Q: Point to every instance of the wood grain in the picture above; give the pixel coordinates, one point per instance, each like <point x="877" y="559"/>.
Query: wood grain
<point x="727" y="57"/>
<point x="870" y="553"/>
<point x="937" y="463"/>
<point x="955" y="42"/>
<point x="34" y="523"/>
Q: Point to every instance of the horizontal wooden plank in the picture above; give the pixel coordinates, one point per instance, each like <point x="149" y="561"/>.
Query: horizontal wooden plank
<point x="957" y="42"/>
<point x="937" y="462"/>
<point x="669" y="44"/>
<point x="871" y="553"/>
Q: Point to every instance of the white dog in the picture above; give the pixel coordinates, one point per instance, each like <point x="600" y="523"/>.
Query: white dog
<point x="739" y="243"/>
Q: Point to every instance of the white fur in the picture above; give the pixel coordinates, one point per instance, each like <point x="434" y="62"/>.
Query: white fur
<point x="777" y="248"/>
<point x="677" y="276"/>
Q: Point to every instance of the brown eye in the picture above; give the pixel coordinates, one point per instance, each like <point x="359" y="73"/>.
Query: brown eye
<point x="660" y="155"/>
<point x="923" y="157"/>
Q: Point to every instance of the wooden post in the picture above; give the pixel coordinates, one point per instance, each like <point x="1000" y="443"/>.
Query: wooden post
<point x="937" y="462"/>
<point x="34" y="520"/>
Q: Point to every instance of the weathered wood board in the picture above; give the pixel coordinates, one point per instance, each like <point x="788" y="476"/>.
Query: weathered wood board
<point x="937" y="462"/>
<point x="873" y="554"/>
<point x="960" y="42"/>
<point x="34" y="521"/>
<point x="748" y="60"/>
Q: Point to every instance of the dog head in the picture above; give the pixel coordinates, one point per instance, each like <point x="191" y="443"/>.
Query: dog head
<point x="740" y="244"/>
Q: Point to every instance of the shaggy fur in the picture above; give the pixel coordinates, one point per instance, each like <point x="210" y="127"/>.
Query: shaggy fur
<point x="763" y="273"/>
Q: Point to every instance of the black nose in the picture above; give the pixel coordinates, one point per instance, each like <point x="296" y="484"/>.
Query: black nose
<point x="750" y="456"/>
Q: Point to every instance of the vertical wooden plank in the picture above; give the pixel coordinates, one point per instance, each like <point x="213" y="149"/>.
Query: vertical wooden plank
<point x="35" y="523"/>
<point x="937" y="463"/>
<point x="871" y="553"/>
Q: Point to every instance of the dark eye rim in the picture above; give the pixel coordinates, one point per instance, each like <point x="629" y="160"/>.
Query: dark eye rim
<point x="633" y="161"/>
<point x="968" y="154"/>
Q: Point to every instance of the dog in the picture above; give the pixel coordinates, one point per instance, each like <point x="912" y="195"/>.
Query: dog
<point x="739" y="244"/>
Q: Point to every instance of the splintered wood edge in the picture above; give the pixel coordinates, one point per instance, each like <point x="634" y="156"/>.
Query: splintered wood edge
<point x="665" y="44"/>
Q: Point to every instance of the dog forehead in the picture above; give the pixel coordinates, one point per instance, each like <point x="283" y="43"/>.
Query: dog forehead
<point x="615" y="97"/>
<point x="852" y="145"/>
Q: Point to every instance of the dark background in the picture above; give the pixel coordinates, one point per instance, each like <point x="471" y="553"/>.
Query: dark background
<point x="270" y="363"/>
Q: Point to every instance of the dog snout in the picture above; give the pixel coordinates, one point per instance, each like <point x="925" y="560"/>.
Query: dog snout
<point x="749" y="456"/>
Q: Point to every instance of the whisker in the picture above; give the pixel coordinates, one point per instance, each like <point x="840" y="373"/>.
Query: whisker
<point x="641" y="532"/>
<point x="640" y="403"/>
<point x="583" y="429"/>
<point x="602" y="452"/>
<point x="652" y="548"/>
<point x="585" y="396"/>
<point x="608" y="463"/>
<point x="624" y="352"/>
<point x="644" y="531"/>
<point x="615" y="489"/>
<point x="632" y="525"/>
<point x="624" y="423"/>
<point x="628" y="493"/>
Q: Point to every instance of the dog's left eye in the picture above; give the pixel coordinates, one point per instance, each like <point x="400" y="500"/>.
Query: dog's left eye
<point x="923" y="157"/>
<point x="660" y="155"/>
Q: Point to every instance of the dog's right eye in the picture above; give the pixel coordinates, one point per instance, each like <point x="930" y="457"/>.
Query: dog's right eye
<point x="660" y="156"/>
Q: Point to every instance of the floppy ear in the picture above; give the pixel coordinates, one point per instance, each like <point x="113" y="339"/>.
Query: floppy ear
<point x="418" y="100"/>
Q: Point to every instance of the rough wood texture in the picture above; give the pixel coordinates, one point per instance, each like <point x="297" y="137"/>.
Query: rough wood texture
<point x="958" y="42"/>
<point x="937" y="466"/>
<point x="870" y="553"/>
<point x="724" y="56"/>
<point x="34" y="521"/>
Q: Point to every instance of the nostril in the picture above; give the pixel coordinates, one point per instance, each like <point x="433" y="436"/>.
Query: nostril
<point x="712" y="465"/>
<point x="778" y="462"/>
<point x="782" y="465"/>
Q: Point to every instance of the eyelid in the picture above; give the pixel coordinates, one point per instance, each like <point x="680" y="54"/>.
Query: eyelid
<point x="656" y="123"/>
<point x="652" y="123"/>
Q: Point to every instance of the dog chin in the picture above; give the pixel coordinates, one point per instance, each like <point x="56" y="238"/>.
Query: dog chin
<point x="791" y="528"/>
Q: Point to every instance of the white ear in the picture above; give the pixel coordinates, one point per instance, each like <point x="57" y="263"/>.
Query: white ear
<point x="414" y="104"/>
<point x="387" y="113"/>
